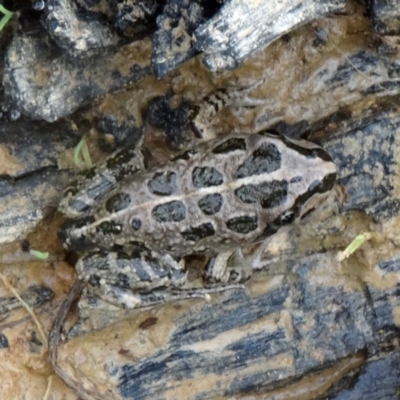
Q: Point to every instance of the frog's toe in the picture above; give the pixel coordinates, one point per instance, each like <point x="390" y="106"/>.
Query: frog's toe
<point x="228" y="267"/>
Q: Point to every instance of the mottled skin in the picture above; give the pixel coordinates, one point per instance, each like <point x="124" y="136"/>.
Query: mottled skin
<point x="161" y="207"/>
<point x="226" y="193"/>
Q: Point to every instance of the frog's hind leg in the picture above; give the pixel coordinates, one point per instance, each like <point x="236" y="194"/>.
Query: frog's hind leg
<point x="228" y="267"/>
<point x="139" y="279"/>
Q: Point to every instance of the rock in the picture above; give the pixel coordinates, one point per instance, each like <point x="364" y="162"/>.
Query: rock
<point x="45" y="84"/>
<point x="30" y="180"/>
<point x="385" y="16"/>
<point x="241" y="27"/>
<point x="134" y="17"/>
<point x="173" y="39"/>
<point x="76" y="32"/>
<point x="305" y="323"/>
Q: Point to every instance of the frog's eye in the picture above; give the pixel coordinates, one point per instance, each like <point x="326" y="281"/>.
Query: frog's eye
<point x="287" y="217"/>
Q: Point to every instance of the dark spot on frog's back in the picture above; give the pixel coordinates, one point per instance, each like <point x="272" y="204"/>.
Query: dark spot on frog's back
<point x="196" y="233"/>
<point x="243" y="224"/>
<point x="277" y="196"/>
<point x="109" y="227"/>
<point x="211" y="203"/>
<point x="230" y="145"/>
<point x="266" y="159"/>
<point x="118" y="202"/>
<point x="296" y="179"/>
<point x="206" y="177"/>
<point x="136" y="223"/>
<point x="162" y="183"/>
<point x="173" y="211"/>
<point x="268" y="194"/>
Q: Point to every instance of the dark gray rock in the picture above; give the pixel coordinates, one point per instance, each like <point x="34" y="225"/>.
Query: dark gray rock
<point x="385" y="16"/>
<point x="34" y="296"/>
<point x="35" y="147"/>
<point x="173" y="38"/>
<point x="379" y="380"/>
<point x="45" y="83"/>
<point x="27" y="200"/>
<point x="241" y="27"/>
<point x="31" y="182"/>
<point x="134" y="17"/>
<point x="358" y="170"/>
<point x="76" y="32"/>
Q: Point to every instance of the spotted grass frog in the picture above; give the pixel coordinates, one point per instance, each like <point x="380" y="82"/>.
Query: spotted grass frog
<point x="136" y="225"/>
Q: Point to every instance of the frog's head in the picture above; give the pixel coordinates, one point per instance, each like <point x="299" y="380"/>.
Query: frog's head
<point x="307" y="177"/>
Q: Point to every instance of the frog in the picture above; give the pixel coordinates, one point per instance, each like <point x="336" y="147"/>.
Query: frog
<point x="135" y="225"/>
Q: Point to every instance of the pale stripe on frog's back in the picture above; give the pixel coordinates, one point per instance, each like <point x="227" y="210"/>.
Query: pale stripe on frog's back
<point x="224" y="194"/>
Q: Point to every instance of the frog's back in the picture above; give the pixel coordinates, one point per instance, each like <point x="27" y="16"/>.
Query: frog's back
<point x="227" y="192"/>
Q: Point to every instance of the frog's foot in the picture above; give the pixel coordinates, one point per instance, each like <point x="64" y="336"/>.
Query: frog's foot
<point x="201" y="116"/>
<point x="228" y="267"/>
<point x="127" y="299"/>
<point x="138" y="280"/>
